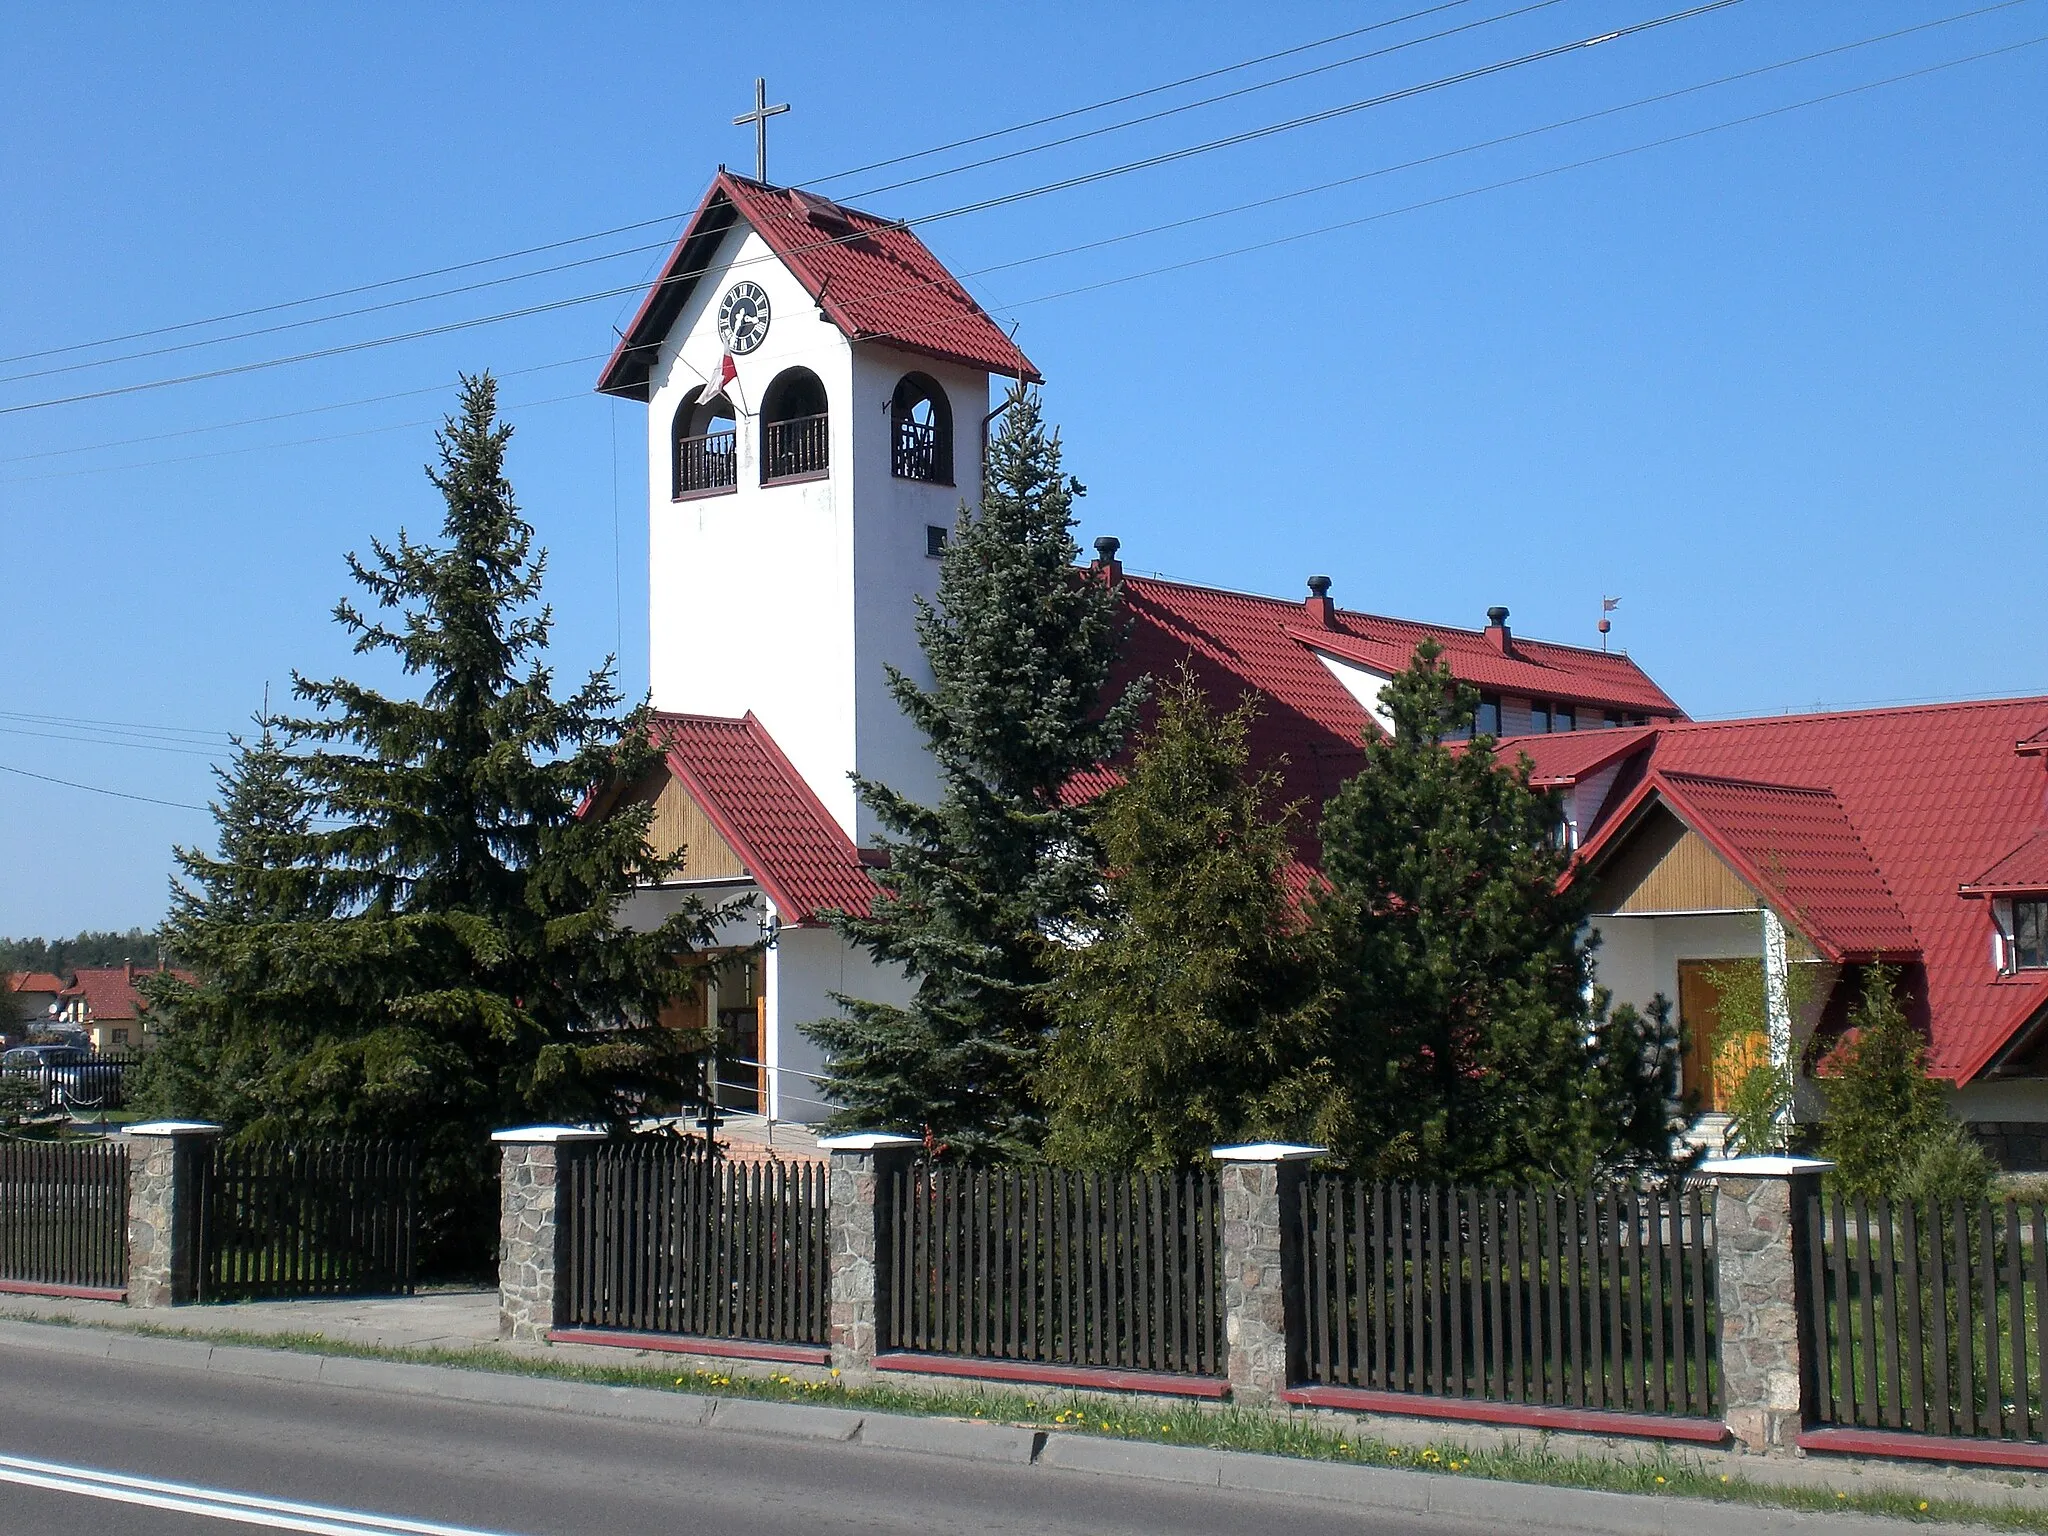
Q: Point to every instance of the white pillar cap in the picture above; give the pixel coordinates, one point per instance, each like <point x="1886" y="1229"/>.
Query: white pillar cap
<point x="174" y="1128"/>
<point x="1267" y="1152"/>
<point x="1765" y="1167"/>
<point x="865" y="1141"/>
<point x="547" y="1135"/>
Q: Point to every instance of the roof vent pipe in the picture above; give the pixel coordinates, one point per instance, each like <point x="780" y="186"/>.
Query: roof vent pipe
<point x="1106" y="561"/>
<point x="1321" y="611"/>
<point x="1498" y="632"/>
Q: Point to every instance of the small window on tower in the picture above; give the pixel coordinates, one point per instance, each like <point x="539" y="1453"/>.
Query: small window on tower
<point x="922" y="422"/>
<point x="934" y="541"/>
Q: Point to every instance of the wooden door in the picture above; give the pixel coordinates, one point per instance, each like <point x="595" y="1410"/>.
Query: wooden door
<point x="1699" y="1016"/>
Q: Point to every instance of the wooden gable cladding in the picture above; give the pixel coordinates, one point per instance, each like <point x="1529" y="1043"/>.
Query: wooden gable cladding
<point x="680" y="824"/>
<point x="1665" y="866"/>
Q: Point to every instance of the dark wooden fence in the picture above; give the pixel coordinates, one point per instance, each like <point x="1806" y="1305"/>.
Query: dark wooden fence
<point x="660" y="1237"/>
<point x="332" y="1218"/>
<point x="1571" y="1298"/>
<point x="1928" y="1319"/>
<point x="64" y="1215"/>
<point x="1114" y="1270"/>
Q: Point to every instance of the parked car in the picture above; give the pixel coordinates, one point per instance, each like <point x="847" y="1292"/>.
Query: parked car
<point x="70" y="1076"/>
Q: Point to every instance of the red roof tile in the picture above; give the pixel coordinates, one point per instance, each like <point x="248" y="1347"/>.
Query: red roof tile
<point x="1565" y="757"/>
<point x="763" y="808"/>
<point x="1237" y="643"/>
<point x="1798" y="847"/>
<point x="109" y="990"/>
<point x="34" y="981"/>
<point x="2024" y="869"/>
<point x="1935" y="796"/>
<point x="871" y="276"/>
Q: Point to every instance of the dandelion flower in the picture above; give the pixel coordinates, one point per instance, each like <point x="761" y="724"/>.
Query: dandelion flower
<point x="1660" y="1480"/>
<point x="1923" y="1506"/>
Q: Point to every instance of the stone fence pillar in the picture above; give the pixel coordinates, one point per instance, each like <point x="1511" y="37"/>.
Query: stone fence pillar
<point x="862" y="1219"/>
<point x="165" y="1159"/>
<point x="1264" y="1319"/>
<point x="1760" y="1287"/>
<point x="529" y="1237"/>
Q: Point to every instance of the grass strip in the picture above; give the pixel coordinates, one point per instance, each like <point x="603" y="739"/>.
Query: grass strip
<point x="1658" y="1472"/>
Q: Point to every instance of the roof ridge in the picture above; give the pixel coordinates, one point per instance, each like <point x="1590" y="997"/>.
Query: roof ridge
<point x="1865" y="712"/>
<point x="1693" y="776"/>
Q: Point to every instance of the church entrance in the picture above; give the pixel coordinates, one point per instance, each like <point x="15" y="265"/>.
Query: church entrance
<point x="730" y="1006"/>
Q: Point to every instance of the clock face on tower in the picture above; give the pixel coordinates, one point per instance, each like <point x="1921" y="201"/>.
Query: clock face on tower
<point x="743" y="317"/>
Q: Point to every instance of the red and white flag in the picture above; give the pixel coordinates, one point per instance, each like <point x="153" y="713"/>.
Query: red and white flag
<point x="728" y="377"/>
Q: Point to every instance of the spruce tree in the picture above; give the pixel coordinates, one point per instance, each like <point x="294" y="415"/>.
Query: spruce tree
<point x="1882" y="1107"/>
<point x="977" y="887"/>
<point x="1468" y="1042"/>
<point x="1185" y="1020"/>
<point x="462" y="957"/>
<point x="220" y="1033"/>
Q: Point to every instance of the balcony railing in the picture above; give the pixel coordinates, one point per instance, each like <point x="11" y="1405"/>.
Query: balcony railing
<point x="920" y="453"/>
<point x="797" y="447"/>
<point x="707" y="463"/>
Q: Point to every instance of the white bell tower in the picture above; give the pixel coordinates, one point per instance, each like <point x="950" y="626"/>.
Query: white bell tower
<point x="816" y="387"/>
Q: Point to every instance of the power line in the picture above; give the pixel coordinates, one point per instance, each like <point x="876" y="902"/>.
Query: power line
<point x="1300" y="192"/>
<point x="125" y="725"/>
<point x="979" y="206"/>
<point x="109" y="741"/>
<point x="670" y="218"/>
<point x="310" y="410"/>
<point x="1208" y="101"/>
<point x="638" y="250"/>
<point x="94" y="789"/>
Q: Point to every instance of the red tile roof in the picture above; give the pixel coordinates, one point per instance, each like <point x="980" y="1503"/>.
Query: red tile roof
<point x="1798" y="847"/>
<point x="1935" y="796"/>
<point x="109" y="991"/>
<point x="1236" y="644"/>
<point x="34" y="981"/>
<point x="871" y="276"/>
<point x="2024" y="869"/>
<point x="763" y="808"/>
<point x="1565" y="757"/>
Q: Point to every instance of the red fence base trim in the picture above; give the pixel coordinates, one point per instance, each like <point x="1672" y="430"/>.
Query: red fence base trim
<point x="692" y="1344"/>
<point x="81" y="1292"/>
<point x="1898" y="1442"/>
<point x="1037" y="1373"/>
<point x="1591" y="1421"/>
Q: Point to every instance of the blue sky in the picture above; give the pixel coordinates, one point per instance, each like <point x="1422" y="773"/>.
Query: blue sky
<point x="1780" y="386"/>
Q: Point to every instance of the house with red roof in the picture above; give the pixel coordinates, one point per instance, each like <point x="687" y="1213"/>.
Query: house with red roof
<point x="818" y="392"/>
<point x="105" y="1002"/>
<point x="30" y="999"/>
<point x="1812" y="846"/>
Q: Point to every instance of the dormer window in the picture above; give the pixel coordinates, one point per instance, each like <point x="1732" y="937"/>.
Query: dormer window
<point x="2030" y="933"/>
<point x="1488" y="722"/>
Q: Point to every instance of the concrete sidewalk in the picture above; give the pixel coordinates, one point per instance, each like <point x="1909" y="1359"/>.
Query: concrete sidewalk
<point x="431" y="1320"/>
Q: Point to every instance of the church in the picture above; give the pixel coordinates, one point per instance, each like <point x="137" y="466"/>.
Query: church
<point x="819" y="392"/>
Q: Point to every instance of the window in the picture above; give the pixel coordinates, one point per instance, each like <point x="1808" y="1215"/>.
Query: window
<point x="796" y="441"/>
<point x="1610" y="720"/>
<point x="706" y="447"/>
<point x="1488" y="723"/>
<point x="934" y="541"/>
<point x="1566" y="718"/>
<point x="921" y="428"/>
<point x="2030" y="934"/>
<point x="1539" y="716"/>
<point x="120" y="1037"/>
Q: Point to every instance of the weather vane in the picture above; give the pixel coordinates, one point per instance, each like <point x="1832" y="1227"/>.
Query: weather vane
<point x="759" y="118"/>
<point x="1607" y="606"/>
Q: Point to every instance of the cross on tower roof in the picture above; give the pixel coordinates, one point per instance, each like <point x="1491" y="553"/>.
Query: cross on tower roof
<point x="759" y="118"/>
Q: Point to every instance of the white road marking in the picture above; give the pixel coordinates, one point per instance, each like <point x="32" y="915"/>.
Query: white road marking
<point x="218" y="1503"/>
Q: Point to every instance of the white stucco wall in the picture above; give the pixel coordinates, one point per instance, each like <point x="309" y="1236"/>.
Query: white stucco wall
<point x="805" y="967"/>
<point x="791" y="600"/>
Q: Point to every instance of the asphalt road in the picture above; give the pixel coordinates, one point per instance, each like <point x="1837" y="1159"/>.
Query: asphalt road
<point x="168" y="1452"/>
